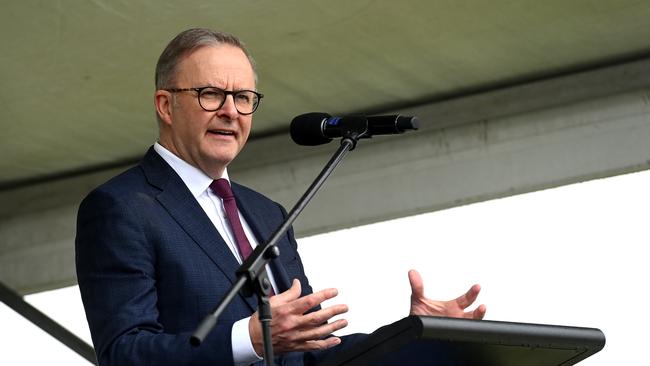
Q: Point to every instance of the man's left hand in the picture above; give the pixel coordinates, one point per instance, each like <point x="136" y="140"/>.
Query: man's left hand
<point x="420" y="305"/>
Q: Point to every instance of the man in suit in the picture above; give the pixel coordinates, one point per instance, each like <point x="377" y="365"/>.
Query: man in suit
<point x="156" y="246"/>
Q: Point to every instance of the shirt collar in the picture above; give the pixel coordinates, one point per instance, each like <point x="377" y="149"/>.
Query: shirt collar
<point x="195" y="179"/>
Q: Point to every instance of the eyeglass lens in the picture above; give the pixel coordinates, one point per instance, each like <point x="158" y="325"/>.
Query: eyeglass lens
<point x="212" y="99"/>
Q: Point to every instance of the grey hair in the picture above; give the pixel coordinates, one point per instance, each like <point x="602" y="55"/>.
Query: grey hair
<point x="185" y="43"/>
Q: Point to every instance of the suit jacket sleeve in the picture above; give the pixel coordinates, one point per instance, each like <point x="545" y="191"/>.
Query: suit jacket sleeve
<point x="116" y="269"/>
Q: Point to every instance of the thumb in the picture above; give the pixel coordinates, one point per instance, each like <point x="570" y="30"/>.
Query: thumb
<point x="417" y="286"/>
<point x="289" y="295"/>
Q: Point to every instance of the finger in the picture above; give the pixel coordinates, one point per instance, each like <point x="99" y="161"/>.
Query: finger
<point x="314" y="345"/>
<point x="322" y="344"/>
<point x="321" y="331"/>
<point x="417" y="286"/>
<point x="289" y="295"/>
<point x="322" y="316"/>
<point x="301" y="305"/>
<point x="469" y="297"/>
<point x="478" y="313"/>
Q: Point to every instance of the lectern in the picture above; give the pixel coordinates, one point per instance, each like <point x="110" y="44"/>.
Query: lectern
<point x="419" y="340"/>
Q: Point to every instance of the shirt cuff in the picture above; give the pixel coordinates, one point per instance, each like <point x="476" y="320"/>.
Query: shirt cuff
<point x="243" y="352"/>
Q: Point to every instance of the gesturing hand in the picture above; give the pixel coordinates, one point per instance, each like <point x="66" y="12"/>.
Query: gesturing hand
<point x="292" y="329"/>
<point x="420" y="305"/>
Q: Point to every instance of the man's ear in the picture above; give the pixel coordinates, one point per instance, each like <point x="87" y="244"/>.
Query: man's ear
<point x="163" y="102"/>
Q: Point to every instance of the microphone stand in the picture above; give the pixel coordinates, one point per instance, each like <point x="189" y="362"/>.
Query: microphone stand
<point x="251" y="275"/>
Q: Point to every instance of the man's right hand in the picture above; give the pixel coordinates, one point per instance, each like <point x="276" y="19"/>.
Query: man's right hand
<point x="292" y="329"/>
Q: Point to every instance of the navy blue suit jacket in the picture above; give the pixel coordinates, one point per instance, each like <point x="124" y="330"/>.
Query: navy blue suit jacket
<point x="151" y="265"/>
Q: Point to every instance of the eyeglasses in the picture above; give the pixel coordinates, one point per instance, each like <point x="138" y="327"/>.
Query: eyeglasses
<point x="212" y="99"/>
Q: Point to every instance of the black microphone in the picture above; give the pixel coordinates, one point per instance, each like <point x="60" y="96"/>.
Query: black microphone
<point x="316" y="128"/>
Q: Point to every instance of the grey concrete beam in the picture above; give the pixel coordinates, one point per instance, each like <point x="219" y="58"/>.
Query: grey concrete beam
<point x="483" y="146"/>
<point x="434" y="169"/>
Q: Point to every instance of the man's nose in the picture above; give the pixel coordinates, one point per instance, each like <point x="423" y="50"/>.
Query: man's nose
<point x="228" y="108"/>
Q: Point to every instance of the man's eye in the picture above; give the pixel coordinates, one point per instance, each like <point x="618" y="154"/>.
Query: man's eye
<point x="244" y="98"/>
<point x="212" y="94"/>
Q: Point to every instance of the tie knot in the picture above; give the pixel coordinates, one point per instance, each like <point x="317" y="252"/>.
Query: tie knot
<point x="221" y="188"/>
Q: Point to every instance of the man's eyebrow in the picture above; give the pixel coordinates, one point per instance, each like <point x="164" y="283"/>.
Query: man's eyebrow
<point x="220" y="88"/>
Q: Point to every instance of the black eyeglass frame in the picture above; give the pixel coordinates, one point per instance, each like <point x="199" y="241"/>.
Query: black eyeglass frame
<point x="226" y="94"/>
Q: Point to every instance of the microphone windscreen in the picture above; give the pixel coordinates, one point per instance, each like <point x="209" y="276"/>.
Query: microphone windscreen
<point x="307" y="129"/>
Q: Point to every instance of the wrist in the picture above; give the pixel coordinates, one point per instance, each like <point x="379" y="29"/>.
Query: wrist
<point x="255" y="331"/>
<point x="242" y="347"/>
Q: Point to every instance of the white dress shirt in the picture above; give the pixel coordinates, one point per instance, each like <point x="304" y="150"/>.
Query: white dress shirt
<point x="199" y="185"/>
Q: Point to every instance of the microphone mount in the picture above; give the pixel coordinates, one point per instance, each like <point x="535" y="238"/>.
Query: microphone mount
<point x="352" y="129"/>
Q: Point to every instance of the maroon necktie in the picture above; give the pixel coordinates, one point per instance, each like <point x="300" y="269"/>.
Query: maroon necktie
<point x="221" y="188"/>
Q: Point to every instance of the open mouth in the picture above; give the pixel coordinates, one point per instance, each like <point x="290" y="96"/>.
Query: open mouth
<point x="222" y="132"/>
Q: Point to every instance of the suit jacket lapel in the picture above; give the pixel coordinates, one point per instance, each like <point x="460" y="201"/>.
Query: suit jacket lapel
<point x="260" y="225"/>
<point x="183" y="207"/>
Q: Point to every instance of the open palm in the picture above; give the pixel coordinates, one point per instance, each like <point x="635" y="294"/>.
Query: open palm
<point x="456" y="308"/>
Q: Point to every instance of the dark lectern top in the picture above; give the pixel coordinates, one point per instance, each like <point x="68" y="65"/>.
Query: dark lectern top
<point x="417" y="340"/>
